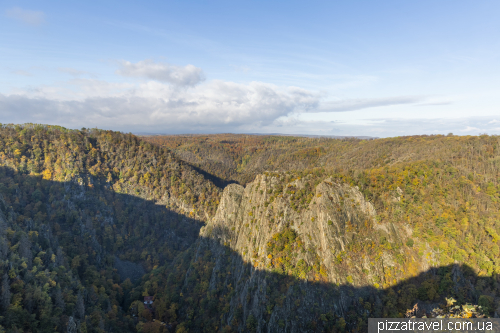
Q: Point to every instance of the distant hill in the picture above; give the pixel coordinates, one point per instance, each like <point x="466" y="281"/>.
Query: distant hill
<point x="145" y="134"/>
<point x="319" y="136"/>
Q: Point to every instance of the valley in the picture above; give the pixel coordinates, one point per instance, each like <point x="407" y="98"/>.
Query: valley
<point x="242" y="233"/>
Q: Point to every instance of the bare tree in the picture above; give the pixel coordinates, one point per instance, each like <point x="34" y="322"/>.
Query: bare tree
<point x="5" y="293"/>
<point x="80" y="307"/>
<point x="60" y="257"/>
<point x="25" y="249"/>
<point x="59" y="300"/>
<point x="3" y="248"/>
<point x="72" y="325"/>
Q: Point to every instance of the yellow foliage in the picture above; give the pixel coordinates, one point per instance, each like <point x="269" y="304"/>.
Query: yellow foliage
<point x="47" y="174"/>
<point x="322" y="270"/>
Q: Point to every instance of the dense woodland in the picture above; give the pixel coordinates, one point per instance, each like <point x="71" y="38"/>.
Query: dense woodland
<point x="74" y="203"/>
<point x="71" y="202"/>
<point x="445" y="187"/>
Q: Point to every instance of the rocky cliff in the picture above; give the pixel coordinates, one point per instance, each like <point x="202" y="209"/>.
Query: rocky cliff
<point x="286" y="269"/>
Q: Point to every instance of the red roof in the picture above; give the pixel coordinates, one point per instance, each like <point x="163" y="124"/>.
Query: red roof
<point x="148" y="298"/>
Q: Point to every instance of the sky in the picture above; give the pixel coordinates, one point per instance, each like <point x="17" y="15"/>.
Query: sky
<point x="362" y="68"/>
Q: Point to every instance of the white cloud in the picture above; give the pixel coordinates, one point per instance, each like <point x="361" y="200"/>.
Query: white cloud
<point x="181" y="76"/>
<point x="154" y="106"/>
<point x="77" y="89"/>
<point x="29" y="17"/>
<point x="359" y="104"/>
<point x="435" y="103"/>
<point x="211" y="107"/>
<point x="380" y="127"/>
<point x="470" y="129"/>
<point x="418" y="126"/>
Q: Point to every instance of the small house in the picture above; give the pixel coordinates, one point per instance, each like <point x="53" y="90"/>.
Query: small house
<point x="148" y="300"/>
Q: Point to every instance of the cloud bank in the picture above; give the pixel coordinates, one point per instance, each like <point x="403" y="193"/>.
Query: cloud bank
<point x="389" y="127"/>
<point x="181" y="76"/>
<point x="29" y="17"/>
<point x="155" y="106"/>
<point x="174" y="99"/>
<point x="359" y="104"/>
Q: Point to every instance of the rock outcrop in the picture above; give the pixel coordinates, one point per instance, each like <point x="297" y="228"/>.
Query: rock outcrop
<point x="323" y="272"/>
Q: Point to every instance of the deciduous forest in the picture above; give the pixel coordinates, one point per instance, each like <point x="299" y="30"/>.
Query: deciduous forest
<point x="243" y="233"/>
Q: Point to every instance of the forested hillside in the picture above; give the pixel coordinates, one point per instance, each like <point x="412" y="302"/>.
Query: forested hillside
<point x="75" y="201"/>
<point x="314" y="235"/>
<point x="241" y="157"/>
<point x="435" y="200"/>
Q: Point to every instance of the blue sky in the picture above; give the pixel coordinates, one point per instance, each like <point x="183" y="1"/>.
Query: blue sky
<point x="379" y="68"/>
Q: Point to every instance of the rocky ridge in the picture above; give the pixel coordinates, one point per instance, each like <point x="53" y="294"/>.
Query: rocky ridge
<point x="322" y="277"/>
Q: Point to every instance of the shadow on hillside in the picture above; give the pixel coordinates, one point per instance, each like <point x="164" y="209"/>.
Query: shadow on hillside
<point x="87" y="217"/>
<point x="217" y="289"/>
<point x="236" y="297"/>
<point x="219" y="182"/>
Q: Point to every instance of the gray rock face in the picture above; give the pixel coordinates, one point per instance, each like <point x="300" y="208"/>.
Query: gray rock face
<point x="327" y="225"/>
<point x="337" y="219"/>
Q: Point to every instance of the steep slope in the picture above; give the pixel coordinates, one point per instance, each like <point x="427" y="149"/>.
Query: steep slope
<point x="337" y="218"/>
<point x="262" y="265"/>
<point x="79" y="204"/>
<point x="241" y="157"/>
<point x="313" y="248"/>
<point x="309" y="245"/>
